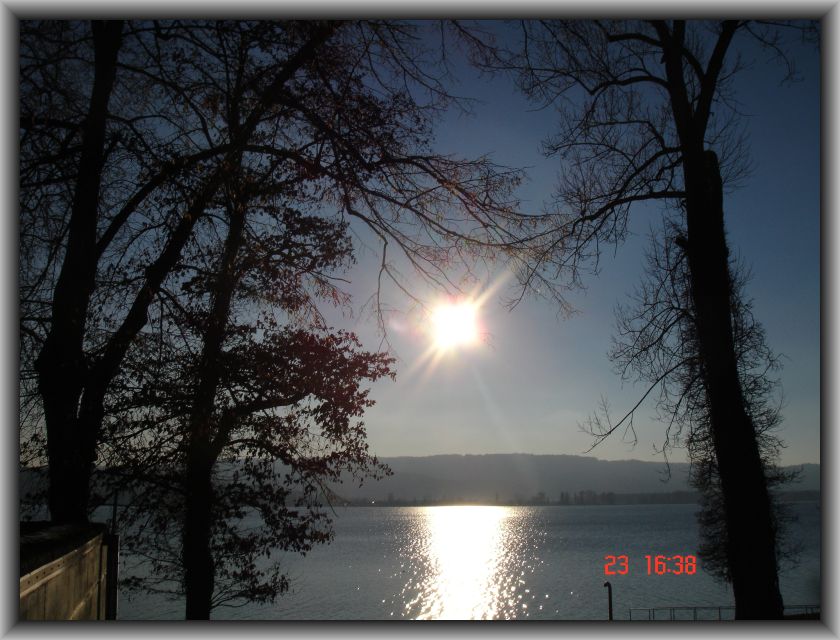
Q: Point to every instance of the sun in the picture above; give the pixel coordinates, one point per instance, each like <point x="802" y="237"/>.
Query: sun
<point x="454" y="325"/>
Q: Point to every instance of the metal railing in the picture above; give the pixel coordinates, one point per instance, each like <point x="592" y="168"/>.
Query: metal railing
<point x="706" y="613"/>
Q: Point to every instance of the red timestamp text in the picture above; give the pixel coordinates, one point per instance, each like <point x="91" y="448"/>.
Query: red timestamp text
<point x="655" y="565"/>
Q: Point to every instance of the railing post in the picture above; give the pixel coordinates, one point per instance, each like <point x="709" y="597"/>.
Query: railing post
<point x="609" y="598"/>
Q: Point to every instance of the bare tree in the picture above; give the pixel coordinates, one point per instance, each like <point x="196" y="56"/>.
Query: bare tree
<point x="342" y="109"/>
<point x="647" y="116"/>
<point x="241" y="387"/>
<point x="73" y="377"/>
<point x="657" y="345"/>
<point x="338" y="138"/>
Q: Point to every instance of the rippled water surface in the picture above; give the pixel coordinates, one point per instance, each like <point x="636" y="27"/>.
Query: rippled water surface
<point x="489" y="562"/>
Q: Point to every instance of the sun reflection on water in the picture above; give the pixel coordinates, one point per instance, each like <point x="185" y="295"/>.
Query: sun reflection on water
<point x="464" y="549"/>
<point x="465" y="543"/>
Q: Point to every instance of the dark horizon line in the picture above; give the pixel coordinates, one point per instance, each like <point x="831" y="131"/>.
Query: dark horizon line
<point x="533" y="455"/>
<point x="550" y="455"/>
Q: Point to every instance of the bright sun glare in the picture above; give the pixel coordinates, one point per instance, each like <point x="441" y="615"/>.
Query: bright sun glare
<point x="454" y="325"/>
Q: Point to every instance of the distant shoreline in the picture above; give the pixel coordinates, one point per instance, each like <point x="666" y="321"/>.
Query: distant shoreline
<point x="614" y="499"/>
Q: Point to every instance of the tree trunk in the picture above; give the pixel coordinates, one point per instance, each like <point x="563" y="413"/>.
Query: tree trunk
<point x="751" y="548"/>
<point x="204" y="444"/>
<point x="198" y="560"/>
<point x="61" y="364"/>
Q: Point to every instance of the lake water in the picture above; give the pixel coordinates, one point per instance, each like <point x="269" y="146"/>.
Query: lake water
<point x="488" y="562"/>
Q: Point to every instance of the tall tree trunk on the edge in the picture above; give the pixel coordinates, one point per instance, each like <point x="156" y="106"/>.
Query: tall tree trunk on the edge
<point x="61" y="365"/>
<point x="751" y="536"/>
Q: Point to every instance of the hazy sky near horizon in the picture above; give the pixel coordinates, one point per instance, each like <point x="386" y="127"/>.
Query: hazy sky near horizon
<point x="537" y="377"/>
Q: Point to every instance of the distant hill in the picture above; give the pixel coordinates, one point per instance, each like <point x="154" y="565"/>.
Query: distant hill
<point x="519" y="477"/>
<point x="508" y="478"/>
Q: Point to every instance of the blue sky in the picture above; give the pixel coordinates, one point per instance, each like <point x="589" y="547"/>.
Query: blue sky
<point x="539" y="376"/>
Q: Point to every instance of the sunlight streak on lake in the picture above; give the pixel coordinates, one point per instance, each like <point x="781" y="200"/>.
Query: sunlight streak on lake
<point x="465" y="547"/>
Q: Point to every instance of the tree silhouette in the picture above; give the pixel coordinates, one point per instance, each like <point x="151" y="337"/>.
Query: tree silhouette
<point x="657" y="344"/>
<point x="647" y="117"/>
<point x="125" y="148"/>
<point x="73" y="374"/>
<point x="244" y="387"/>
<point x="211" y="503"/>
